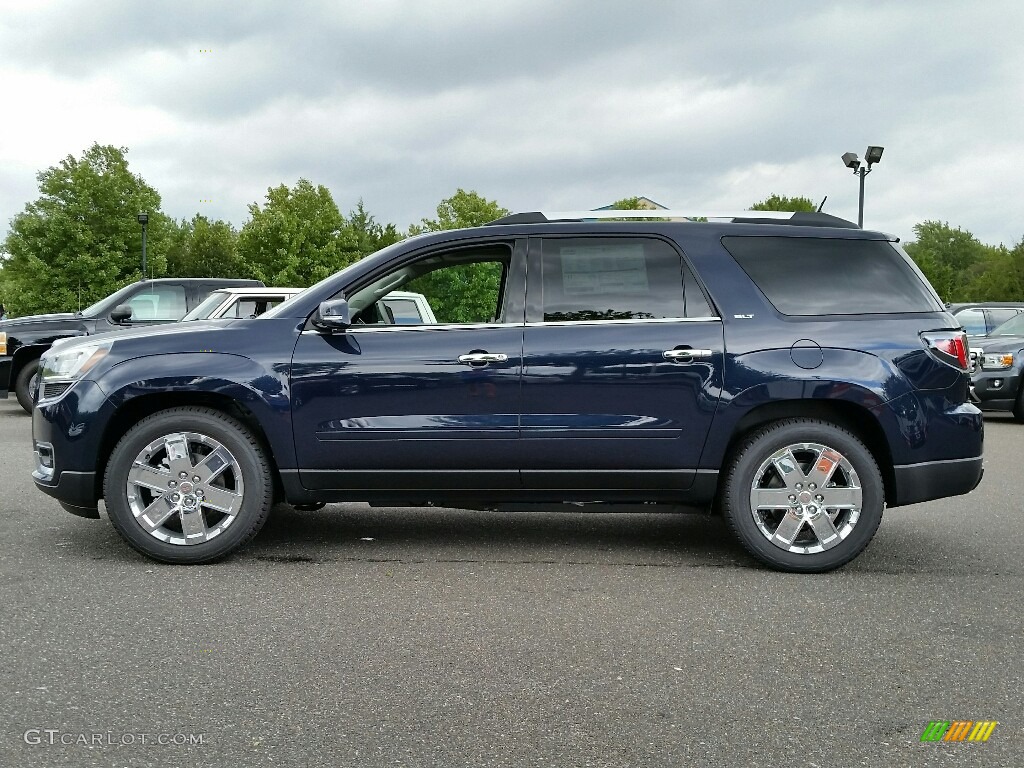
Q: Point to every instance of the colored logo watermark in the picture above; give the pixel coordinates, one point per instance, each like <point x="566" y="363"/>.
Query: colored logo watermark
<point x="959" y="730"/>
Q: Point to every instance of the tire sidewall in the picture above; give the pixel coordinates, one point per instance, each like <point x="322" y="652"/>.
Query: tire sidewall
<point x="257" y="495"/>
<point x="766" y="442"/>
<point x="22" y="385"/>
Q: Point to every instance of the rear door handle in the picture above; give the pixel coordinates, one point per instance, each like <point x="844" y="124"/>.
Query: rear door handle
<point x="483" y="358"/>
<point x="685" y="355"/>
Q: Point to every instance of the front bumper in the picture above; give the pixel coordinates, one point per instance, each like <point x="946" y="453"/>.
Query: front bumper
<point x="5" y="374"/>
<point x="69" y="431"/>
<point x="996" y="390"/>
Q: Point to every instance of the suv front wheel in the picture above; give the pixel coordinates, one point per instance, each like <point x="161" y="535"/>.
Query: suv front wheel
<point x="803" y="495"/>
<point x="188" y="485"/>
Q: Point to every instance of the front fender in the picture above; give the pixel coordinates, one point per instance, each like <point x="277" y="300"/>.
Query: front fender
<point x="262" y="391"/>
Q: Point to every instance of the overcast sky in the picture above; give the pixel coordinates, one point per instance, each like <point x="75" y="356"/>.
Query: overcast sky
<point x="538" y="104"/>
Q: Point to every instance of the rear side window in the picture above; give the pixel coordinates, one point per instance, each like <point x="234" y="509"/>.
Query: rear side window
<point x="819" y="276"/>
<point x="610" y="278"/>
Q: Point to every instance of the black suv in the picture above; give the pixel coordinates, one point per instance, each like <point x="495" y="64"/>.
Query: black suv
<point x="147" y="302"/>
<point x="791" y="370"/>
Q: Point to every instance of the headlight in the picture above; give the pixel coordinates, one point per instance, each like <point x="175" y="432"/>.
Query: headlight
<point x="997" y="362"/>
<point x="71" y="363"/>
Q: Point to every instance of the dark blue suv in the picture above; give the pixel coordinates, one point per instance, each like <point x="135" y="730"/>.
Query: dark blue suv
<point x="791" y="370"/>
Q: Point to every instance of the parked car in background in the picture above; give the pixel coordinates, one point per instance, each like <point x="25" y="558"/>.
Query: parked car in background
<point x="997" y="369"/>
<point x="573" y="360"/>
<point x="981" y="318"/>
<point x="239" y="302"/>
<point x="146" y="302"/>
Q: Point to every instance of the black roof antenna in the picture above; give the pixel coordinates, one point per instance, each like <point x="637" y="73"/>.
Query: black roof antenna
<point x="822" y="204"/>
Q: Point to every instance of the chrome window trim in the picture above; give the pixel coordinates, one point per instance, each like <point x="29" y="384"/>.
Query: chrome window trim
<point x="474" y="326"/>
<point x="436" y="327"/>
<point x="630" y="321"/>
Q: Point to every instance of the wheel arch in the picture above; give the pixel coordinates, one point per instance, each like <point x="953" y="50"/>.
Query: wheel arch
<point x="137" y="408"/>
<point x="24" y="355"/>
<point x="842" y="413"/>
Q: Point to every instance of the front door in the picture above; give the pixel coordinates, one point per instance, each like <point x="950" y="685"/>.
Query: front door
<point x="406" y="408"/>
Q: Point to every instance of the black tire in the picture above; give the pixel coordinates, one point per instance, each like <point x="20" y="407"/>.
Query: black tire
<point x="26" y="384"/>
<point x="1018" y="405"/>
<point x="751" y="464"/>
<point x="247" y="480"/>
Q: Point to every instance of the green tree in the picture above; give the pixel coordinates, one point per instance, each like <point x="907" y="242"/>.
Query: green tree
<point x="627" y="204"/>
<point x="297" y="237"/>
<point x="81" y="240"/>
<point x="462" y="294"/>
<point x="776" y="202"/>
<point x="204" y="248"/>
<point x="367" y="235"/>
<point x="948" y="257"/>
<point x="999" y="275"/>
<point x="463" y="209"/>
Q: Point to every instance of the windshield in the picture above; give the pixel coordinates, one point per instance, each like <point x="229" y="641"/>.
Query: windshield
<point x="105" y="305"/>
<point x="206" y="308"/>
<point x="1012" y="327"/>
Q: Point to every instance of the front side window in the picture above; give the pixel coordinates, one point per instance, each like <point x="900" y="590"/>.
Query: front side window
<point x="609" y="278"/>
<point x="461" y="286"/>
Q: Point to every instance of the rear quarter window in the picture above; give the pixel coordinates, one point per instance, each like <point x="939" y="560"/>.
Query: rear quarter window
<point x="827" y="276"/>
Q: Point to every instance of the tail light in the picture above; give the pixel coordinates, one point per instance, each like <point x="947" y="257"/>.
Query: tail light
<point x="948" y="346"/>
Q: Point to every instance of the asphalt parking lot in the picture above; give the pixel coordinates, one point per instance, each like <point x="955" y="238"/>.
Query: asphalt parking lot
<point x="425" y="637"/>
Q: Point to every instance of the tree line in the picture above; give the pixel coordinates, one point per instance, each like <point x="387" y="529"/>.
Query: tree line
<point x="80" y="239"/>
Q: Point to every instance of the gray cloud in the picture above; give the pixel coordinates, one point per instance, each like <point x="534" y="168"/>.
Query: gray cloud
<point x="540" y="104"/>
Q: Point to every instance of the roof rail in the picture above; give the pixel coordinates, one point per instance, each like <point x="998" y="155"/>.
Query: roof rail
<point x="800" y="218"/>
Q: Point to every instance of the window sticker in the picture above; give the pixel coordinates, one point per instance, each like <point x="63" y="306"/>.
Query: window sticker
<point x="595" y="270"/>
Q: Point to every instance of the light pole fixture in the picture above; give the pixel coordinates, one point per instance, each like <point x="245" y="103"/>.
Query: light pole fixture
<point x="872" y="155"/>
<point x="143" y="220"/>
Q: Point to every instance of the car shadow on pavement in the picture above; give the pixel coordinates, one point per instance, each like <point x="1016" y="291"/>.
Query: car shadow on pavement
<point x="357" y="531"/>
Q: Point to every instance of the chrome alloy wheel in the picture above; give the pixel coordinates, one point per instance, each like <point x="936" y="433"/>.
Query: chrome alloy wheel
<point x="806" y="498"/>
<point x="185" y="488"/>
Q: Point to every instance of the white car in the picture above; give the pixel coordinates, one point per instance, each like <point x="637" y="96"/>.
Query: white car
<point x="239" y="302"/>
<point x="408" y="308"/>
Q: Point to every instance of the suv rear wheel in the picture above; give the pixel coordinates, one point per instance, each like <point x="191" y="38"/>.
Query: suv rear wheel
<point x="803" y="495"/>
<point x="188" y="485"/>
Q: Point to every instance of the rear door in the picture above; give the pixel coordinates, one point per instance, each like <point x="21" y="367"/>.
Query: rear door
<point x="622" y="367"/>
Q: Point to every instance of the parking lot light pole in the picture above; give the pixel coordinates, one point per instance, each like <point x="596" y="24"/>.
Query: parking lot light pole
<point x="143" y="220"/>
<point x="851" y="161"/>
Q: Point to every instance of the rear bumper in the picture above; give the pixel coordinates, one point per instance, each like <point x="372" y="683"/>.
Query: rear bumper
<point x="936" y="479"/>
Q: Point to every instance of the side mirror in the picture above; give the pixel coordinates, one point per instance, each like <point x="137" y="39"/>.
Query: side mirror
<point x="121" y="314"/>
<point x="333" y="315"/>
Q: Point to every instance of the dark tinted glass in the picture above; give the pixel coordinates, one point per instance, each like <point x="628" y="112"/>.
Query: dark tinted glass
<point x="607" y="278"/>
<point x="819" y="276"/>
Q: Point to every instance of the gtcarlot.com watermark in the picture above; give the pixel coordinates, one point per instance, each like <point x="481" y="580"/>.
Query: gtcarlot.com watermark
<point x="52" y="737"/>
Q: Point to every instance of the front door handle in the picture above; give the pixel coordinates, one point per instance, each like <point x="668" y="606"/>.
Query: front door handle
<point x="685" y="355"/>
<point x="483" y="358"/>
